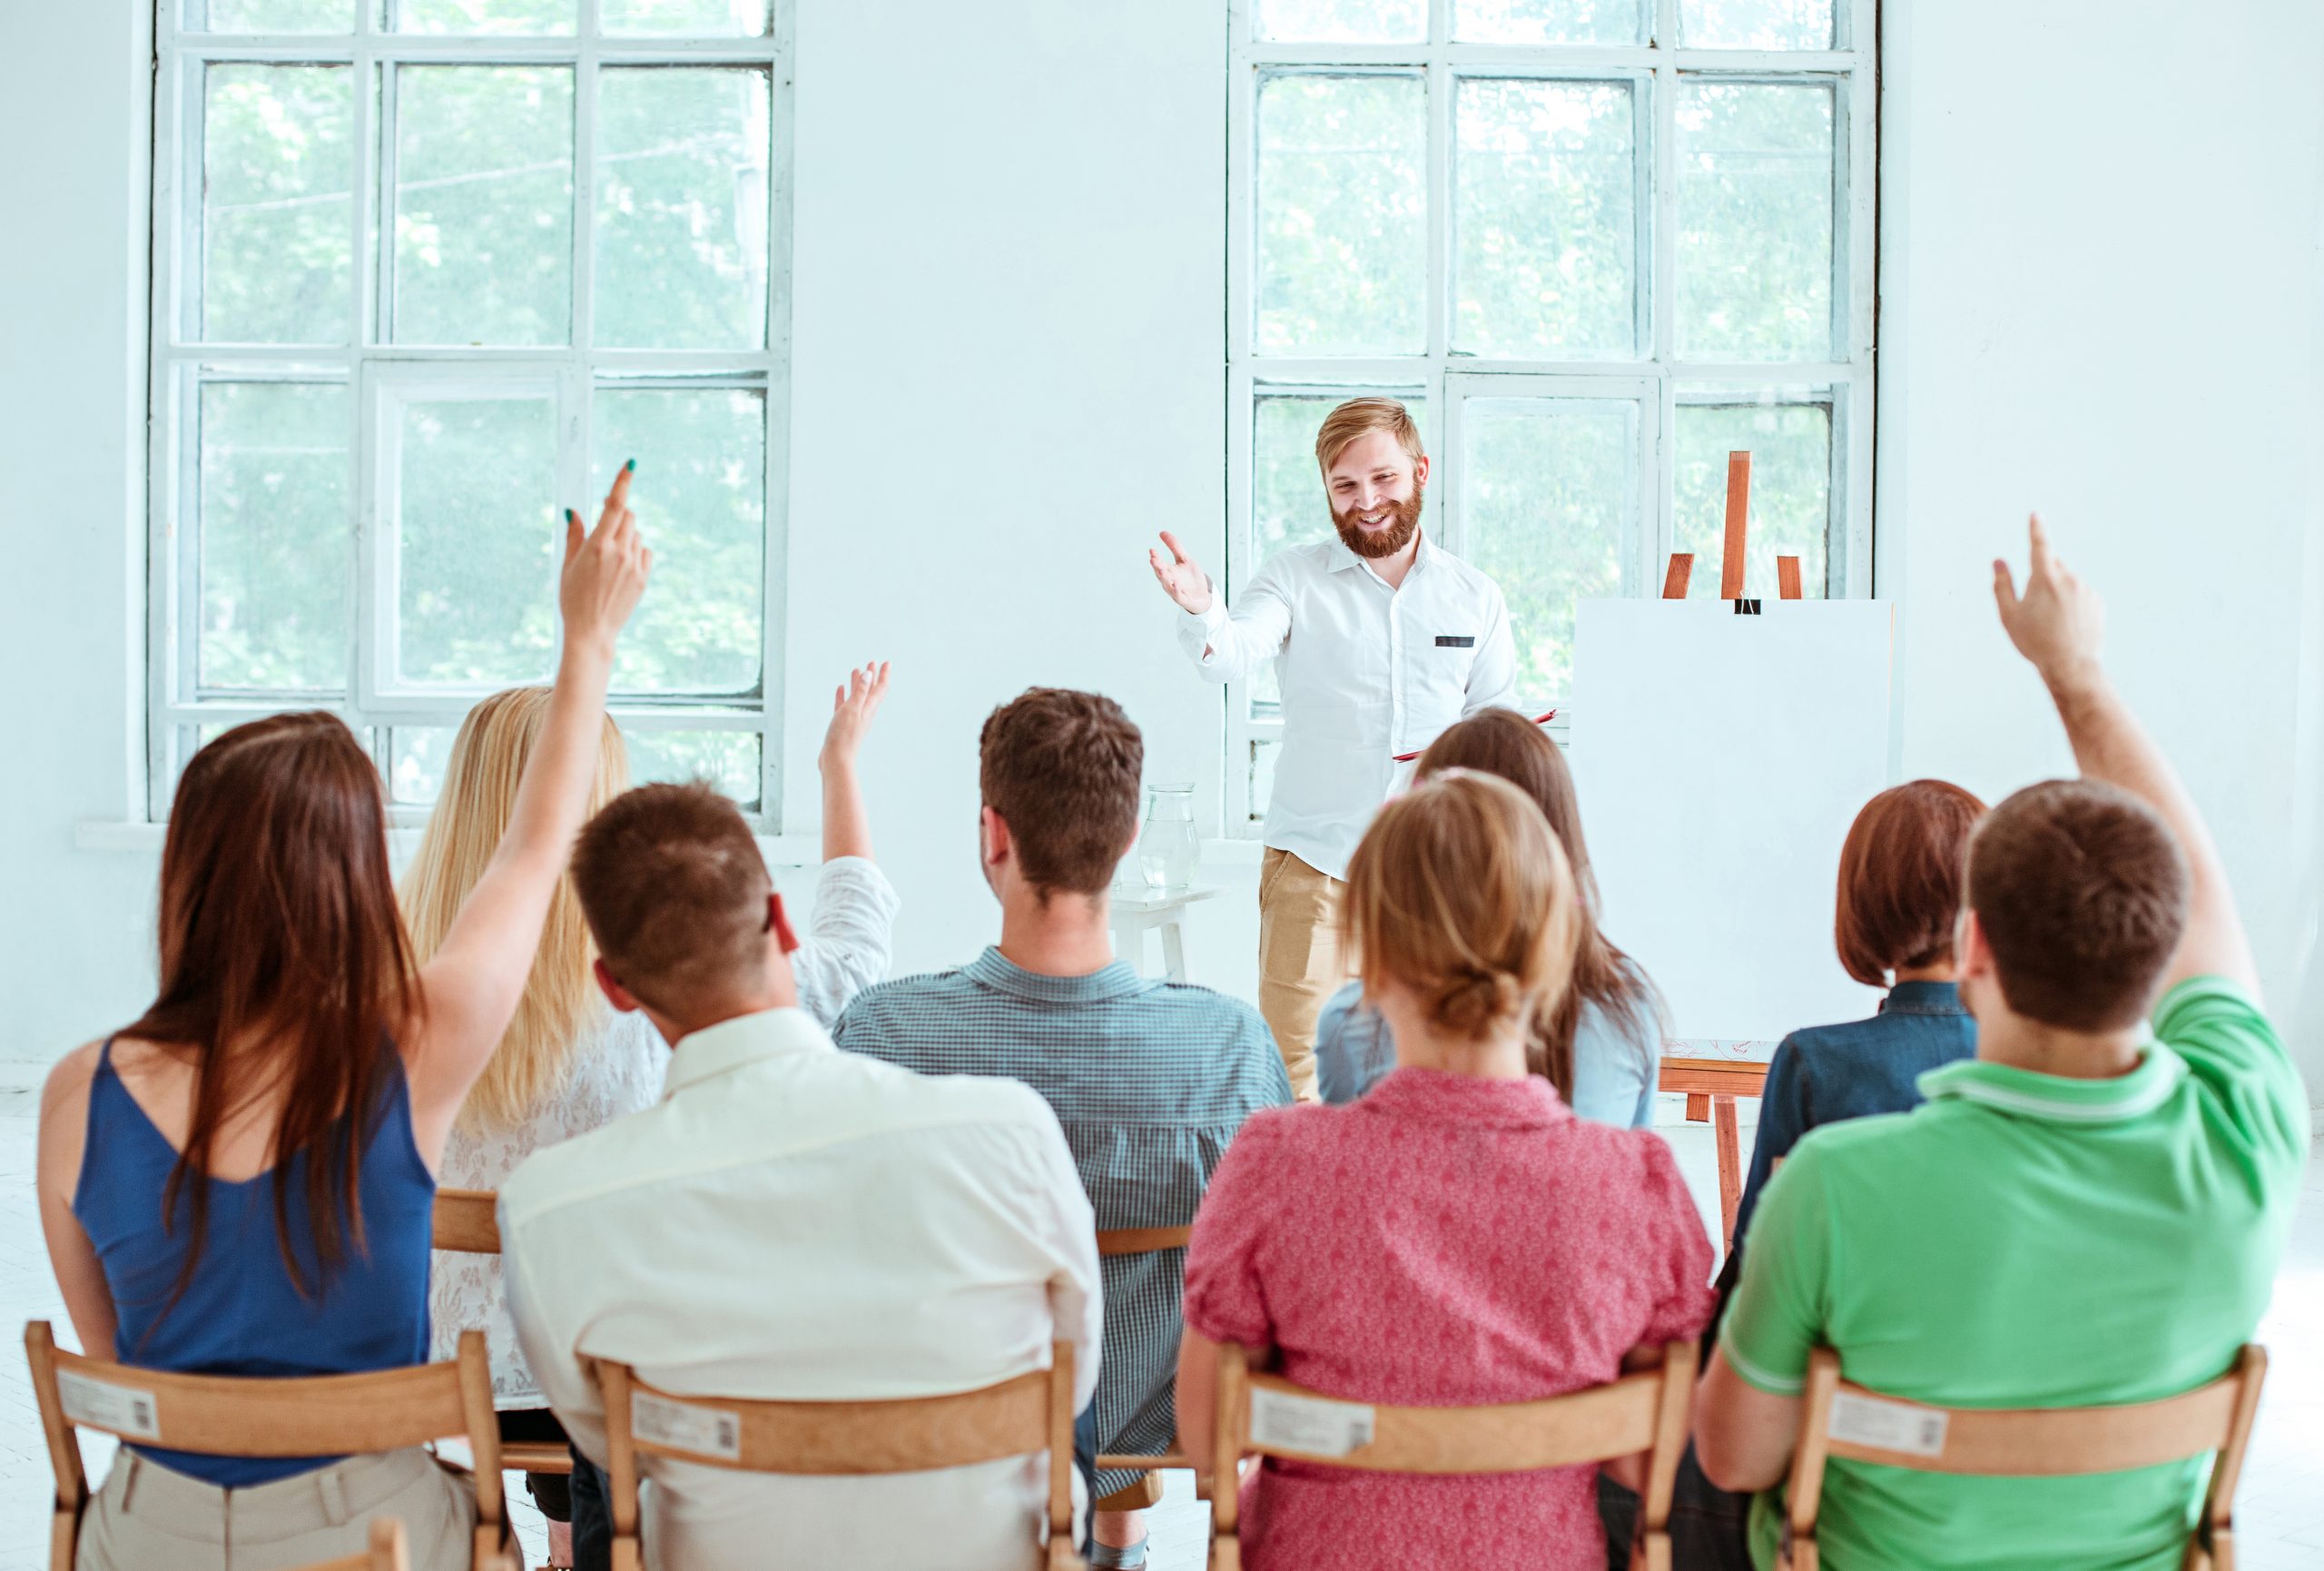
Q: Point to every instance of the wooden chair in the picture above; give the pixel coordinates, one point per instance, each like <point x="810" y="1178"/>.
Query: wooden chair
<point x="1646" y="1411"/>
<point x="468" y="1222"/>
<point x="1839" y="1419"/>
<point x="387" y="1552"/>
<point x="1031" y="1413"/>
<point x="1139" y="1241"/>
<point x="231" y="1416"/>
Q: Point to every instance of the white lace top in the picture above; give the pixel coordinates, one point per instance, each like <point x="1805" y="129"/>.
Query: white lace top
<point x="618" y="1071"/>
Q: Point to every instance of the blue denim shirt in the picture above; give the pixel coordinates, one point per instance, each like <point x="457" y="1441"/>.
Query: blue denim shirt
<point x="1615" y="1062"/>
<point x="1826" y="1073"/>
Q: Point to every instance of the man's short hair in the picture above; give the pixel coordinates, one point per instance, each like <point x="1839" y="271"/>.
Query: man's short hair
<point x="675" y="892"/>
<point x="1357" y="416"/>
<point x="2081" y="892"/>
<point x="1061" y="769"/>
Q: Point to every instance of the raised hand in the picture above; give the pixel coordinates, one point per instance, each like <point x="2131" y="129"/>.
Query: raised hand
<point x="2058" y="623"/>
<point x="604" y="570"/>
<point x="1179" y="577"/>
<point x="852" y="706"/>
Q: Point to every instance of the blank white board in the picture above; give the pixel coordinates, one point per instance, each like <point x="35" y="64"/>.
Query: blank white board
<point x="1720" y="760"/>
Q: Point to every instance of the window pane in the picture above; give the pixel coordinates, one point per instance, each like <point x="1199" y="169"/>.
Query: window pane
<point x="417" y="758"/>
<point x="1549" y="22"/>
<point x="1342" y="215"/>
<point x="477" y="541"/>
<point x="727" y="759"/>
<point x="1791" y="492"/>
<point x="484" y="204"/>
<point x="1755" y="222"/>
<point x="709" y="18"/>
<point x="1550" y="490"/>
<point x="700" y="498"/>
<point x="682" y="163"/>
<point x="278" y="169"/>
<point x="1755" y="23"/>
<point x="1341" y="20"/>
<point x="494" y="17"/>
<point x="1546" y="219"/>
<point x="274" y="536"/>
<point x="268" y="15"/>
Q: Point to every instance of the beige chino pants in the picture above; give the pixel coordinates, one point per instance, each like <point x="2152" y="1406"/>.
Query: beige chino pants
<point x="1299" y="958"/>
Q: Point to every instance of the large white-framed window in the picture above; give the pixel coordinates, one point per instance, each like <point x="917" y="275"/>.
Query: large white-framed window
<point x="1596" y="245"/>
<point x="425" y="272"/>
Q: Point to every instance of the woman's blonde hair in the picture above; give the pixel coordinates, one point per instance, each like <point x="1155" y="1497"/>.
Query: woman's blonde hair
<point x="1459" y="891"/>
<point x="561" y="1002"/>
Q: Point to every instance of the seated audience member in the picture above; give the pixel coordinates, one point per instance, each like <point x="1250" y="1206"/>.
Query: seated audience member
<point x="1150" y="1078"/>
<point x="2085" y="1214"/>
<point x="240" y="1182"/>
<point x="1600" y="1043"/>
<point x="1458" y="1236"/>
<point x="790" y="1222"/>
<point x="567" y="1063"/>
<point x="1901" y="871"/>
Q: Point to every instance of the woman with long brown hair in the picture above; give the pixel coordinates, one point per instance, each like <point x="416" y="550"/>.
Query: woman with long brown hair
<point x="240" y="1181"/>
<point x="1600" y="1043"/>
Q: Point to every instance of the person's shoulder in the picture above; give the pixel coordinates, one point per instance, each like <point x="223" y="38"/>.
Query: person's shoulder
<point x="70" y="1077"/>
<point x="1467" y="573"/>
<point x="906" y="996"/>
<point x="568" y="1172"/>
<point x="1221" y="1011"/>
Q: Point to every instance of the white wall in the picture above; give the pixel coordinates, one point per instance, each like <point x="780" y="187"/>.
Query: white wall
<point x="2100" y="295"/>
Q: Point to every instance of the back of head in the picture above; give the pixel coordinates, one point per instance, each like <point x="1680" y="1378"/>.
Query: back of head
<point x="1902" y="870"/>
<point x="675" y="893"/>
<point x="2080" y="891"/>
<point x="1061" y="769"/>
<point x="1505" y="742"/>
<point x="560" y="1003"/>
<point x="1459" y="891"/>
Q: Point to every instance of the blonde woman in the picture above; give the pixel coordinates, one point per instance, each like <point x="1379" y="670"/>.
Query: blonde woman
<point x="1458" y="1236"/>
<point x="567" y="1063"/>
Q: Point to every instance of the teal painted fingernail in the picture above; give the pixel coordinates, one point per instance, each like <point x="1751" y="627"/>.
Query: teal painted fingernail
<point x="631" y="465"/>
<point x="571" y="517"/>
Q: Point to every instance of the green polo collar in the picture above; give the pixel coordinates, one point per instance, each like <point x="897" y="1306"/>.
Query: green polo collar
<point x="2056" y="1097"/>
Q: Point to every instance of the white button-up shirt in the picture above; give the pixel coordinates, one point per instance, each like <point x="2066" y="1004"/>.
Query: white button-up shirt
<point x="1368" y="672"/>
<point x="795" y="1222"/>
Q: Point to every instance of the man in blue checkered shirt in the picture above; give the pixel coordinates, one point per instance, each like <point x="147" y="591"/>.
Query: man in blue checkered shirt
<point x="1150" y="1080"/>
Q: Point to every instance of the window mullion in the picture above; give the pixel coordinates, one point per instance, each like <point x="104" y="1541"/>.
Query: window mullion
<point x="585" y="185"/>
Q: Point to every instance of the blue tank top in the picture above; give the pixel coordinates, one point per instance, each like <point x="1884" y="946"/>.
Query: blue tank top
<point x="241" y="1314"/>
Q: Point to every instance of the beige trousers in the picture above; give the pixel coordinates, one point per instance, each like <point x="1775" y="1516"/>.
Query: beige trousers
<point x="1299" y="958"/>
<point x="149" y="1517"/>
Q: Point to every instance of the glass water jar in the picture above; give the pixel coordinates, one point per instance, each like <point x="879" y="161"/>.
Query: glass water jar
<point x="1167" y="851"/>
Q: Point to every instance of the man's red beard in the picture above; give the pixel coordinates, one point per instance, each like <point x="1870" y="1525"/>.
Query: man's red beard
<point x="1384" y="542"/>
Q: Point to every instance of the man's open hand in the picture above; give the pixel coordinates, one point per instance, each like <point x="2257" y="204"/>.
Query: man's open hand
<point x="1180" y="579"/>
<point x="2058" y="622"/>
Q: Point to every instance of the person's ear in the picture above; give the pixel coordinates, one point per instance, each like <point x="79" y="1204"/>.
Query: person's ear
<point x="620" y="997"/>
<point x="1420" y="470"/>
<point x="1971" y="953"/>
<point x="778" y="921"/>
<point x="992" y="832"/>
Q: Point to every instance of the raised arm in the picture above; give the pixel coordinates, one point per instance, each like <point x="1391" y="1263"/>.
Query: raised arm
<point x="1225" y="648"/>
<point x="847" y="828"/>
<point x="2059" y="624"/>
<point x="470" y="988"/>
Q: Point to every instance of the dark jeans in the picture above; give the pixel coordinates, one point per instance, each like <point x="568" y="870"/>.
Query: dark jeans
<point x="593" y="1516"/>
<point x="1707" y="1525"/>
<point x="539" y="1426"/>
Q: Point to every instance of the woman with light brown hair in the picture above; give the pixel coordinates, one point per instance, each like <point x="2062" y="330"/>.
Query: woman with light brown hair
<point x="1457" y="1236"/>
<point x="240" y="1181"/>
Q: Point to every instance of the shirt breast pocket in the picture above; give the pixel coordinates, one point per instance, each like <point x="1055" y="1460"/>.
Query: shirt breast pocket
<point x="1447" y="663"/>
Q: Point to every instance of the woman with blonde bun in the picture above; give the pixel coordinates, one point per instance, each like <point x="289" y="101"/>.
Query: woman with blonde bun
<point x="1458" y="1236"/>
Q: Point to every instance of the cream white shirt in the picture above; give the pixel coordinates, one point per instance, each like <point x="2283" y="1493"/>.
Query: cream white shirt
<point x="796" y="1223"/>
<point x="1368" y="672"/>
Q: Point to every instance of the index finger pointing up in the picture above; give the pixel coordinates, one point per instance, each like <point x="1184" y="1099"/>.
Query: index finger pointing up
<point x="617" y="498"/>
<point x="2043" y="561"/>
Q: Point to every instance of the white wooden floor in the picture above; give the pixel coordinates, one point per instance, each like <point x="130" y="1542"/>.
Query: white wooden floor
<point x="2280" y="1513"/>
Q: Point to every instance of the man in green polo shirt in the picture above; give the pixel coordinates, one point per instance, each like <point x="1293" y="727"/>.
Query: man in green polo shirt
<point x="2083" y="1214"/>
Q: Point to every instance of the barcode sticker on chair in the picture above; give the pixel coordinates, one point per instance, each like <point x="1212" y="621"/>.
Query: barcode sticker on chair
<point x="102" y="1405"/>
<point x="1282" y="1421"/>
<point x="1887" y="1426"/>
<point x="683" y="1427"/>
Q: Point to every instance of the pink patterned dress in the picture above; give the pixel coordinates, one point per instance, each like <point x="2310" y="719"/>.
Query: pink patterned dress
<point x="1446" y="1240"/>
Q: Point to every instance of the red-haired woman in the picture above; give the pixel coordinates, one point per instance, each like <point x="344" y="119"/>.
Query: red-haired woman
<point x="240" y="1181"/>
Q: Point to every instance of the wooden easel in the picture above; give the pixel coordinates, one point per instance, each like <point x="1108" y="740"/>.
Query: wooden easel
<point x="1712" y="1084"/>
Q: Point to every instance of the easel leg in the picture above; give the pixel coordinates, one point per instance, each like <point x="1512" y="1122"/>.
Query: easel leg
<point x="1730" y="1164"/>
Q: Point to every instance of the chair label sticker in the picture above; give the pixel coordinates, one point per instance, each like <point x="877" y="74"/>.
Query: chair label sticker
<point x="685" y="1427"/>
<point x="1887" y="1426"/>
<point x="102" y="1405"/>
<point x="1281" y="1421"/>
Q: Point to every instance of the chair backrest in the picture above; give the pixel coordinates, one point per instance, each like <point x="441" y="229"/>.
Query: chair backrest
<point x="387" y="1552"/>
<point x="1266" y="1415"/>
<point x="237" y="1416"/>
<point x="467" y="1221"/>
<point x="1141" y="1241"/>
<point x="1839" y="1419"/>
<point x="1016" y="1417"/>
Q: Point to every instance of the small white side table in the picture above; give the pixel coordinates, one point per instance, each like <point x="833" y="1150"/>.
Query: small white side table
<point x="1136" y="914"/>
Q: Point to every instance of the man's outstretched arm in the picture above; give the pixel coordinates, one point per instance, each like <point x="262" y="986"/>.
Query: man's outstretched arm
<point x="1226" y="648"/>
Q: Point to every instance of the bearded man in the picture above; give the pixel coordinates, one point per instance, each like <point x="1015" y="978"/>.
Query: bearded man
<point x="1385" y="640"/>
